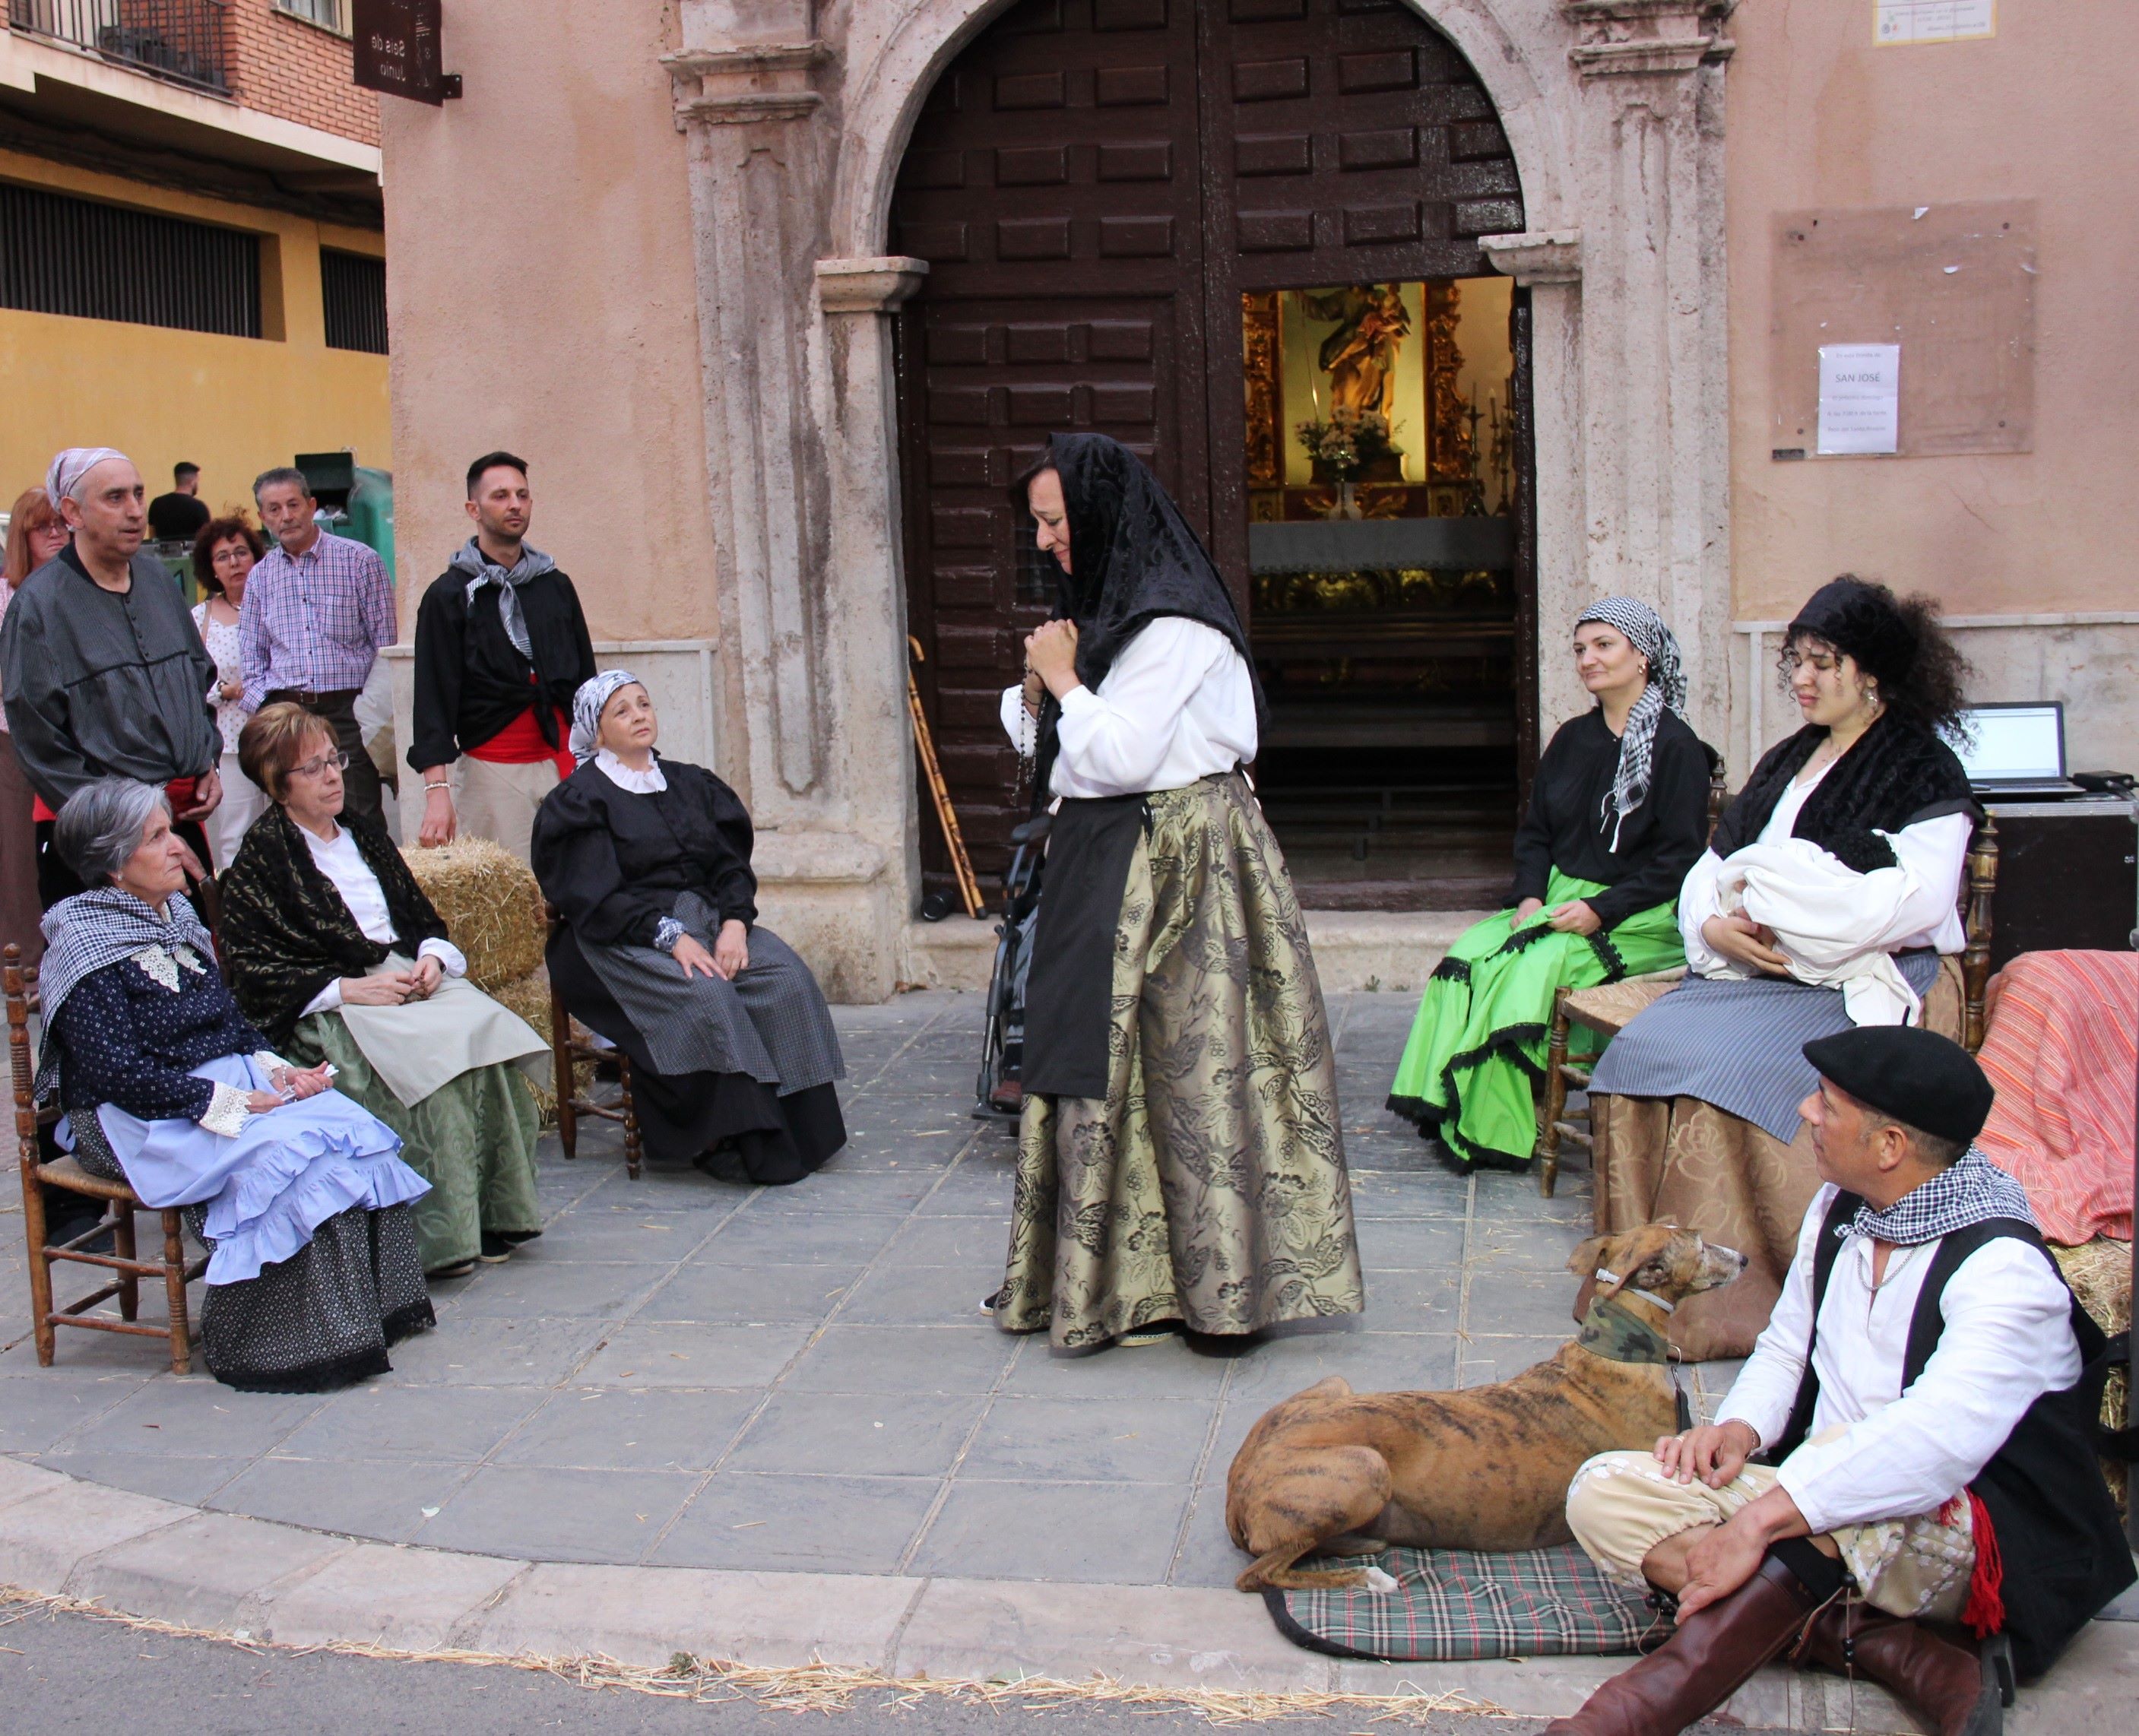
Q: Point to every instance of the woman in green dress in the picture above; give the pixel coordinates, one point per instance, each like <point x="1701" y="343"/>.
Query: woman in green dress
<point x="1618" y="814"/>
<point x="333" y="949"/>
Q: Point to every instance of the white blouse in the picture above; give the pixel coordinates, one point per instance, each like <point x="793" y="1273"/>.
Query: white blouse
<point x="342" y="863"/>
<point x="1922" y="889"/>
<point x="1177" y="705"/>
<point x="2007" y="1340"/>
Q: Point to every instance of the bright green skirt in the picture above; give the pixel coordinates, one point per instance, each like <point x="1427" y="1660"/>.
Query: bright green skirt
<point x="1476" y="1051"/>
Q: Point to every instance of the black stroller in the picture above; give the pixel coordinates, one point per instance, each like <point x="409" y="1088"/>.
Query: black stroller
<point x="1000" y="1089"/>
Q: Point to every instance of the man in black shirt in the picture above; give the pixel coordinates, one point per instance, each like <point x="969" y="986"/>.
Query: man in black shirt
<point x="501" y="648"/>
<point x="180" y="516"/>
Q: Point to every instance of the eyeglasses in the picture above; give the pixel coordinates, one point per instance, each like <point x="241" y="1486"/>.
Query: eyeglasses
<point x="314" y="768"/>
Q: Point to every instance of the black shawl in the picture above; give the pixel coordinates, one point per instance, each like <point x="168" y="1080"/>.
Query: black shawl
<point x="1897" y="773"/>
<point x="1133" y="558"/>
<point x="286" y="932"/>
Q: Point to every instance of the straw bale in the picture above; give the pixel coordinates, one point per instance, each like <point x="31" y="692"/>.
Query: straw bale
<point x="491" y="907"/>
<point x="2100" y="1274"/>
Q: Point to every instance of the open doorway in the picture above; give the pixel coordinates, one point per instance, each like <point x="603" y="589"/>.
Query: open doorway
<point x="1381" y="481"/>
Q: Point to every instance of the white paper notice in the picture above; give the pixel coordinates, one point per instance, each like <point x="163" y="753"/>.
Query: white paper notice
<point x="1860" y="398"/>
<point x="1932" y="20"/>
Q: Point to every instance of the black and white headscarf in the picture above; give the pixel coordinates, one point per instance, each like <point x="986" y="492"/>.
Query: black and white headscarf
<point x="1646" y="632"/>
<point x="1971" y="1191"/>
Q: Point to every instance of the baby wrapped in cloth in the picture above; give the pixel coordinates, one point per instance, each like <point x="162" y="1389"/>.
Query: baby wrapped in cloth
<point x="1826" y="919"/>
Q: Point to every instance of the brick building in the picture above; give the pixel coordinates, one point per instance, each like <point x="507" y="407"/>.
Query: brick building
<point x="191" y="248"/>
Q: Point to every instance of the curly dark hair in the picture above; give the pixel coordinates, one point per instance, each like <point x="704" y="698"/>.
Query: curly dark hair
<point x="221" y="530"/>
<point x="1899" y="642"/>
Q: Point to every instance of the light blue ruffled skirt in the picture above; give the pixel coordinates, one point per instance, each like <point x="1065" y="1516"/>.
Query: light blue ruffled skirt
<point x="269" y="1187"/>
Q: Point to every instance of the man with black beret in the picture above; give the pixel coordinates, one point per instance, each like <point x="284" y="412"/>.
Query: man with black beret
<point x="1922" y="1407"/>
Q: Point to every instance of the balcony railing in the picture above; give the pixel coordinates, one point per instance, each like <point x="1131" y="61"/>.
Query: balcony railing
<point x="183" y="40"/>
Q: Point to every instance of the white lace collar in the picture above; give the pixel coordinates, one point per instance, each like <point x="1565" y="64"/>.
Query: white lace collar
<point x="648" y="782"/>
<point x="162" y="964"/>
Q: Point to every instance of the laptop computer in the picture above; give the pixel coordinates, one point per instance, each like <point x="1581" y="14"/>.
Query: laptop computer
<point x="2016" y="750"/>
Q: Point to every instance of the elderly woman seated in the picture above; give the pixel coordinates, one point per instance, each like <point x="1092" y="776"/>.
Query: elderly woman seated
<point x="1828" y="898"/>
<point x="334" y="950"/>
<point x="295" y="1191"/>
<point x="732" y="1046"/>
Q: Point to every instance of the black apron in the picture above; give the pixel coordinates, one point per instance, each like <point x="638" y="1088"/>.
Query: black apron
<point x="1069" y="1005"/>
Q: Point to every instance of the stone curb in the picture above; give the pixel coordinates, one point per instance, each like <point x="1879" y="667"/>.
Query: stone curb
<point x="280" y="1583"/>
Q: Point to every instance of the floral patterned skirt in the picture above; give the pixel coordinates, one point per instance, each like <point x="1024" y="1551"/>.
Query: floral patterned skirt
<point x="1208" y="1186"/>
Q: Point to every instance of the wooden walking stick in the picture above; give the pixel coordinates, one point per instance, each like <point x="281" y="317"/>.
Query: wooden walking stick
<point x="962" y="865"/>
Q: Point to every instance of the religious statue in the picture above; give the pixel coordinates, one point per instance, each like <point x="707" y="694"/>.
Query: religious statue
<point x="1360" y="355"/>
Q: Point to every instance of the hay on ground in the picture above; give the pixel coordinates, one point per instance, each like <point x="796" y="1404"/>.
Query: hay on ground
<point x="833" y="1688"/>
<point x="491" y="907"/>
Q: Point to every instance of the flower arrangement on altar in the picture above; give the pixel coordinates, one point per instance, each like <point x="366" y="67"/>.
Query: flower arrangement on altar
<point x="1348" y="441"/>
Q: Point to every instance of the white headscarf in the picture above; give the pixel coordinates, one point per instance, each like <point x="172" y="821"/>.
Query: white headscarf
<point x="69" y="467"/>
<point x="587" y="709"/>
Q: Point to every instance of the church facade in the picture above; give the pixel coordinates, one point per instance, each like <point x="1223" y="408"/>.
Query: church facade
<point x="777" y="295"/>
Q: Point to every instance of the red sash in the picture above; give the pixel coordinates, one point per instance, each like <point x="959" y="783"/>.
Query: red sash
<point x="179" y="792"/>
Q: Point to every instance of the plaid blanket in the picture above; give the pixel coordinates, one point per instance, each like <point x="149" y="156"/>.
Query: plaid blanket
<point x="1454" y="1605"/>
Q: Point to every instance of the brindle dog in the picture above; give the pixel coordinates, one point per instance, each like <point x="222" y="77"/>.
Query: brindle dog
<point x="1483" y="1469"/>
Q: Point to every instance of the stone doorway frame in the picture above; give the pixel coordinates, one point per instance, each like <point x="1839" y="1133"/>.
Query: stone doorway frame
<point x="1614" y="110"/>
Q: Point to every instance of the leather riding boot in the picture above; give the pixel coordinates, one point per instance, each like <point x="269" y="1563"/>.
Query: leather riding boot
<point x="1948" y="1683"/>
<point x="1712" y="1654"/>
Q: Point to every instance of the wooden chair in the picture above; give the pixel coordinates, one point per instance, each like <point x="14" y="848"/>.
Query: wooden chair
<point x="1608" y="1009"/>
<point x="571" y="1102"/>
<point x="67" y="1174"/>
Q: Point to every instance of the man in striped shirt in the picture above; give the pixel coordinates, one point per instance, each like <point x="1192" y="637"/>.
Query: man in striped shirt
<point x="317" y="610"/>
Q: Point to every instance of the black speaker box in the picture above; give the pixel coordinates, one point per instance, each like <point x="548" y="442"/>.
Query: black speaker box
<point x="2067" y="877"/>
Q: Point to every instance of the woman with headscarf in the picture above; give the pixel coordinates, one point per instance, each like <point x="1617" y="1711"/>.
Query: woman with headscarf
<point x="296" y="1191"/>
<point x="1828" y="896"/>
<point x="335" y="951"/>
<point x="1618" y="814"/>
<point x="1180" y="1161"/>
<point x="732" y="1051"/>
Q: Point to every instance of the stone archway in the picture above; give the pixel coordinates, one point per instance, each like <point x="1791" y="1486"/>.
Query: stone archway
<point x="1614" y="111"/>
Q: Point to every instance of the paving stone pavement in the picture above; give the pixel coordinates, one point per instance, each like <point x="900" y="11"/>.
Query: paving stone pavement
<point x="772" y="1425"/>
<point x="685" y="1373"/>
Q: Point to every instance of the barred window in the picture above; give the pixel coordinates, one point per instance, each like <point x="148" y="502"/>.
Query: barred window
<point x="63" y="255"/>
<point x="353" y="286"/>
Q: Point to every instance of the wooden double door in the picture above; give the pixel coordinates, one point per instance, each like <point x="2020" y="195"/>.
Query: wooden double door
<point x="1095" y="183"/>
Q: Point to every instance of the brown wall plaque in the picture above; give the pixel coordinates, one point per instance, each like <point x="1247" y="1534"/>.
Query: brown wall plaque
<point x="396" y="44"/>
<point x="1953" y="285"/>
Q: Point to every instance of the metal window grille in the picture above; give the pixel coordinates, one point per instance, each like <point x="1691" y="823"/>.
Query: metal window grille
<point x="184" y="41"/>
<point x="353" y="286"/>
<point x="60" y="255"/>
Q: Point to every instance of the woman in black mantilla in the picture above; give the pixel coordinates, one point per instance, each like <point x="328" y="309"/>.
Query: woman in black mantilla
<point x="1180" y="1158"/>
<point x="732" y="1046"/>
<point x="334" y="950"/>
<point x="1829" y="896"/>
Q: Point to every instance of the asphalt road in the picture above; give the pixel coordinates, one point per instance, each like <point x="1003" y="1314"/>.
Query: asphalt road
<point x="63" y="1673"/>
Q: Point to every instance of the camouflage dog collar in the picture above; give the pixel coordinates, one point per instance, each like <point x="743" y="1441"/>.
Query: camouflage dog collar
<point x="1611" y="1331"/>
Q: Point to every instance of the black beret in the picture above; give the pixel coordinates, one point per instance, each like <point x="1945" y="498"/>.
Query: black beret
<point x="1914" y="1075"/>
